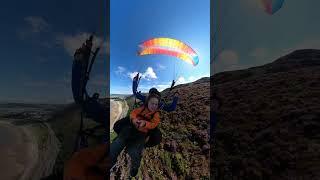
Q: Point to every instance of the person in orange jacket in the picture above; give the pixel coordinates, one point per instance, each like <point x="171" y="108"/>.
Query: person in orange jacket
<point x="133" y="136"/>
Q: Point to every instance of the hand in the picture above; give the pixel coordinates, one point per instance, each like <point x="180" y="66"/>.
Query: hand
<point x="142" y="123"/>
<point x="136" y="123"/>
<point x="139" y="123"/>
<point x="176" y="94"/>
<point x="136" y="77"/>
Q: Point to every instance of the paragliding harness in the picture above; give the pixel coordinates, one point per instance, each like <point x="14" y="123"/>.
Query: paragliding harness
<point x="90" y="107"/>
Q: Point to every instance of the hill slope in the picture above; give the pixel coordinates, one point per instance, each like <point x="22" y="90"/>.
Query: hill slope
<point x="267" y="125"/>
<point x="184" y="151"/>
<point x="269" y="120"/>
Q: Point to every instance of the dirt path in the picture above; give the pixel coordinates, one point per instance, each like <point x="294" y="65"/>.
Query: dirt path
<point x="119" y="110"/>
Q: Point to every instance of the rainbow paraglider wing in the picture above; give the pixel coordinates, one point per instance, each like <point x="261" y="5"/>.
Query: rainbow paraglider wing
<point x="171" y="47"/>
<point x="272" y="6"/>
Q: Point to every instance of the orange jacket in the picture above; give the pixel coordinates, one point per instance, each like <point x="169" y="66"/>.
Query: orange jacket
<point x="143" y="113"/>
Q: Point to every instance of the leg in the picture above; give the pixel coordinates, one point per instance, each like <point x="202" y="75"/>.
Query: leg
<point x="115" y="148"/>
<point x="135" y="150"/>
<point x="118" y="125"/>
<point x="118" y="144"/>
<point x="155" y="137"/>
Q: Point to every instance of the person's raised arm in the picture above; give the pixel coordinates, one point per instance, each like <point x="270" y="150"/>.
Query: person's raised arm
<point x="173" y="105"/>
<point x="135" y="84"/>
<point x="137" y="94"/>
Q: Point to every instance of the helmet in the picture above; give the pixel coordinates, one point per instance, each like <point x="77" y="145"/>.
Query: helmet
<point x="154" y="91"/>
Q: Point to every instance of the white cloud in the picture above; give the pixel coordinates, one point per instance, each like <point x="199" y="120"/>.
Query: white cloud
<point x="70" y="42"/>
<point x="132" y="74"/>
<point x="181" y="80"/>
<point x="148" y="74"/>
<point x="73" y="42"/>
<point x="38" y="24"/>
<point x="120" y="70"/>
<point x="34" y="24"/>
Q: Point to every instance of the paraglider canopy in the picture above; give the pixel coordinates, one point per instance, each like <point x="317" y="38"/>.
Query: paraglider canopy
<point x="272" y="6"/>
<point x="171" y="47"/>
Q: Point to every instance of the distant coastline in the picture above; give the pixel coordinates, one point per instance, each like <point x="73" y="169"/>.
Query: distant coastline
<point x="121" y="96"/>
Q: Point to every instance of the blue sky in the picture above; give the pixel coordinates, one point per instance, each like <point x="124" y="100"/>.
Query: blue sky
<point x="133" y="22"/>
<point x="38" y="40"/>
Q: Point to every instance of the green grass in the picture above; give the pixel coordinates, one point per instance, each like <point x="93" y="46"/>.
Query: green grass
<point x="204" y="178"/>
<point x="139" y="175"/>
<point x="180" y="165"/>
<point x="166" y="159"/>
<point x="113" y="135"/>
